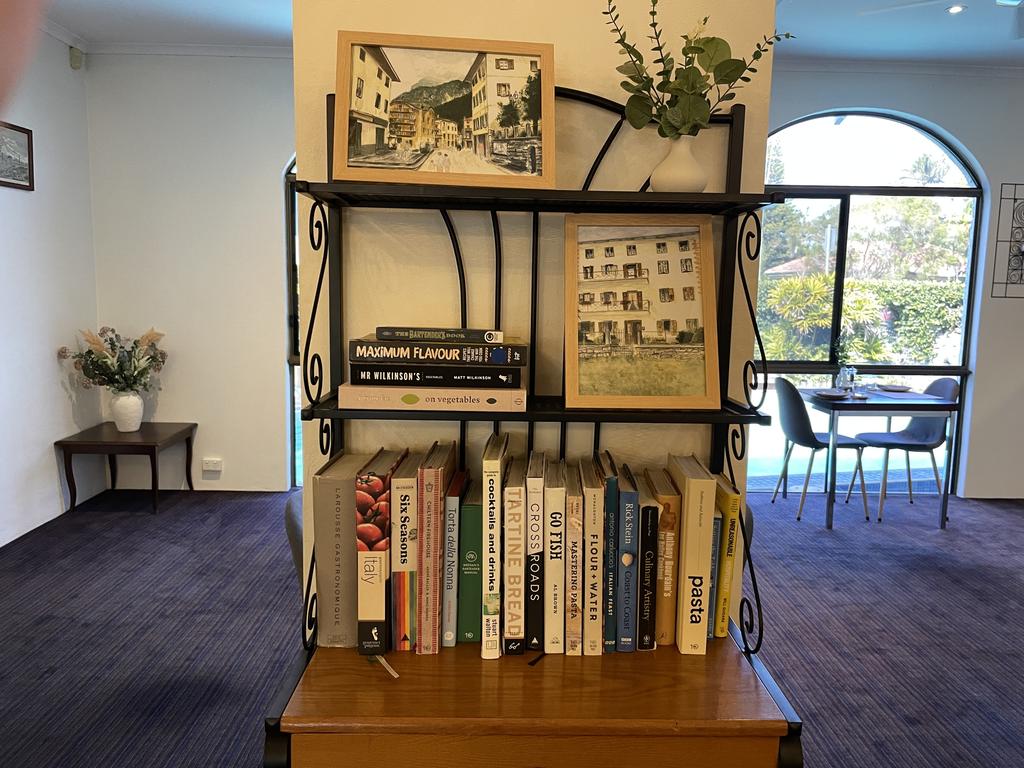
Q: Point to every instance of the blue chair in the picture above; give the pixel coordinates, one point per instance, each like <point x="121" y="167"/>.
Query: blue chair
<point x="922" y="435"/>
<point x="796" y="426"/>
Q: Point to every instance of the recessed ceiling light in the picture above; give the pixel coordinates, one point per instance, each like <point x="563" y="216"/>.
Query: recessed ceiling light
<point x="955" y="9"/>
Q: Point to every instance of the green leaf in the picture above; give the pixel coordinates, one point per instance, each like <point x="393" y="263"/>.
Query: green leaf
<point x="675" y="116"/>
<point x="716" y="50"/>
<point x="729" y="71"/>
<point x="629" y="87"/>
<point x="692" y="50"/>
<point x="631" y="70"/>
<point x="695" y="110"/>
<point x="690" y="80"/>
<point x="638" y="110"/>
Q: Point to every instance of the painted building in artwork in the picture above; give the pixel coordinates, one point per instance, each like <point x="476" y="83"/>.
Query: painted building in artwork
<point x="411" y="127"/>
<point x="467" y="132"/>
<point x="370" y="100"/>
<point x="496" y="79"/>
<point x="638" y="290"/>
<point x="446" y="133"/>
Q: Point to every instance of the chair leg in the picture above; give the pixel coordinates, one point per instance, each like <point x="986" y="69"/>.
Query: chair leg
<point x="853" y="478"/>
<point x="807" y="480"/>
<point x="935" y="469"/>
<point x="863" y="487"/>
<point x="885" y="480"/>
<point x="910" y="482"/>
<point x="785" y="468"/>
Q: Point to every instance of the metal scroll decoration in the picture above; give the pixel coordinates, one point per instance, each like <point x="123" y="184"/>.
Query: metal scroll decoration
<point x="750" y="611"/>
<point x="755" y="374"/>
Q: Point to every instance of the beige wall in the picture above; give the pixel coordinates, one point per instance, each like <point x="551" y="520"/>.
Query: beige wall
<point x="398" y="263"/>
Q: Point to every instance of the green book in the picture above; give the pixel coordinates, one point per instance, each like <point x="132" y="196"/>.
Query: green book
<point x="471" y="534"/>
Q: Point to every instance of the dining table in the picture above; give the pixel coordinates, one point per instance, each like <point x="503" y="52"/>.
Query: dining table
<point x="879" y="402"/>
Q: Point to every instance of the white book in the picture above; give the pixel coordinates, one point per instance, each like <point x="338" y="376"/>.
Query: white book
<point x="495" y="461"/>
<point x="573" y="561"/>
<point x="514" y="535"/>
<point x="554" y="557"/>
<point x="694" y="609"/>
<point x="593" y="548"/>
<point x="535" y="551"/>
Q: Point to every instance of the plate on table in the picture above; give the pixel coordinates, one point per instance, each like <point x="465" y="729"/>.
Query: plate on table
<point x="831" y="394"/>
<point x="894" y="387"/>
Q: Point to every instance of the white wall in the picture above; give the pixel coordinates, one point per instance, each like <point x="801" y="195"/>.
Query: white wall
<point x="47" y="292"/>
<point x="978" y="110"/>
<point x="187" y="154"/>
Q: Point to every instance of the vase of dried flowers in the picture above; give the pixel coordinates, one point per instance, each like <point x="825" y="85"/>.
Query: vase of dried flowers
<point x="124" y="365"/>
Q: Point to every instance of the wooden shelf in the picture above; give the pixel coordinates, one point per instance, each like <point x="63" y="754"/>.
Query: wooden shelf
<point x="440" y="196"/>
<point x="546" y="408"/>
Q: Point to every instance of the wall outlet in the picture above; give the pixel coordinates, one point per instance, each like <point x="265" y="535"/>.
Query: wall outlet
<point x="213" y="465"/>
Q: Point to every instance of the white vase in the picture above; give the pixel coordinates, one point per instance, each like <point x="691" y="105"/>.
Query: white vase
<point x="127" y="410"/>
<point x="679" y="171"/>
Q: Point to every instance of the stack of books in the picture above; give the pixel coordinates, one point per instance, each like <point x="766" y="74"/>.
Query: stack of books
<point x="437" y="369"/>
<point x="578" y="557"/>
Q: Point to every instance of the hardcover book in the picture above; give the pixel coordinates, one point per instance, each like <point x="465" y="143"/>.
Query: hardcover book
<point x="666" y="494"/>
<point x="693" y="611"/>
<point x="716" y="538"/>
<point x="647" y="590"/>
<point x="593" y="537"/>
<point x="728" y="501"/>
<point x="372" y="350"/>
<point x="514" y="537"/>
<point x="495" y="464"/>
<point x="628" y="550"/>
<point x="334" y="515"/>
<point x="535" y="551"/>
<point x="407" y="333"/>
<point x="554" y="557"/>
<point x="435" y="475"/>
<point x="471" y="535"/>
<point x="404" y="524"/>
<point x="450" y="570"/>
<point x="609" y="472"/>
<point x="574" y="561"/>
<point x="372" y="498"/>
<point x="411" y="375"/>
<point x="374" y="398"/>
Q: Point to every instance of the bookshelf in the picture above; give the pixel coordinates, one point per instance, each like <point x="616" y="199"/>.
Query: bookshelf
<point x="449" y="709"/>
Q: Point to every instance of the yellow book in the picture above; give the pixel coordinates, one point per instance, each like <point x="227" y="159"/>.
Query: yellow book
<point x="665" y="493"/>
<point x="727" y="499"/>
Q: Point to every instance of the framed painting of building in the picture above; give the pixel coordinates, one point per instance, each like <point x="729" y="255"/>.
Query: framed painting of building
<point x="438" y="110"/>
<point x="16" y="162"/>
<point x="640" y="320"/>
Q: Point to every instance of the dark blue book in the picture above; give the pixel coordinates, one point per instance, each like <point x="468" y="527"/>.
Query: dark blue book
<point x="628" y="550"/>
<point x="607" y="471"/>
<point x="716" y="538"/>
<point x="647" y="564"/>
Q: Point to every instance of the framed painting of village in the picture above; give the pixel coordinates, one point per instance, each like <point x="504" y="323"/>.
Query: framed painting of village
<point x="438" y="110"/>
<point x="640" y="320"/>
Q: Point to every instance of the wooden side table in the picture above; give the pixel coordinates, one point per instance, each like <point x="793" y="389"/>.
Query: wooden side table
<point x="151" y="438"/>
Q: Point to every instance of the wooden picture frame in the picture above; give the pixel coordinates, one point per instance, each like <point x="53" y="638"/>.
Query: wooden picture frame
<point x="17" y="165"/>
<point x="639" y="293"/>
<point x="465" y="113"/>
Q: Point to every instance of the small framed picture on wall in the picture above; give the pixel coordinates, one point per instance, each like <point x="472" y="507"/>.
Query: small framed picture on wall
<point x="439" y="110"/>
<point x="16" y="168"/>
<point x="640" y="322"/>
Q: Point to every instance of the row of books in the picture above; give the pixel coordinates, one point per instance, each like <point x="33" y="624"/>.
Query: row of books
<point x="583" y="557"/>
<point x="404" y="368"/>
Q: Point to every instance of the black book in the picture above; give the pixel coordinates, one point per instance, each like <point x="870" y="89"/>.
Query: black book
<point x="369" y="349"/>
<point x="647" y="553"/>
<point x="402" y="374"/>
<point x="409" y="333"/>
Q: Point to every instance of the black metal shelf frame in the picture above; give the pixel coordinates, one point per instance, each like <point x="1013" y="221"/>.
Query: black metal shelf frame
<point x="741" y="246"/>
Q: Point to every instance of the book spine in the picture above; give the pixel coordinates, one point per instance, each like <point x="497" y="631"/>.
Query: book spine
<point x="396" y="374"/>
<point x="626" y="595"/>
<point x="490" y="647"/>
<point x="716" y="537"/>
<point x="535" y="564"/>
<point x="450" y="576"/>
<point x="514" y="635"/>
<point x="574" y="567"/>
<point x="668" y="560"/>
<point x="727" y="561"/>
<point x="593" y="532"/>
<point x="448" y="353"/>
<point x="335" y="562"/>
<point x="646" y="636"/>
<point x="611" y="562"/>
<point x="376" y="398"/>
<point x="403" y="563"/>
<point x="405" y="333"/>
<point x="695" y="568"/>
<point x="554" y="572"/>
<point x="429" y="544"/>
<point x="373" y="565"/>
<point x="470" y="572"/>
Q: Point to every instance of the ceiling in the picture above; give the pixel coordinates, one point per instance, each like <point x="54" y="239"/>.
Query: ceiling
<point x="984" y="34"/>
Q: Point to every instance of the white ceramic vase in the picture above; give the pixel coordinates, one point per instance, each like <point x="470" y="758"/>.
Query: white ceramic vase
<point x="127" y="410"/>
<point x="679" y="171"/>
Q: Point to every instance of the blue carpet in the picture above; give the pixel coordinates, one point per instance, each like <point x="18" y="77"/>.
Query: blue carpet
<point x="131" y="639"/>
